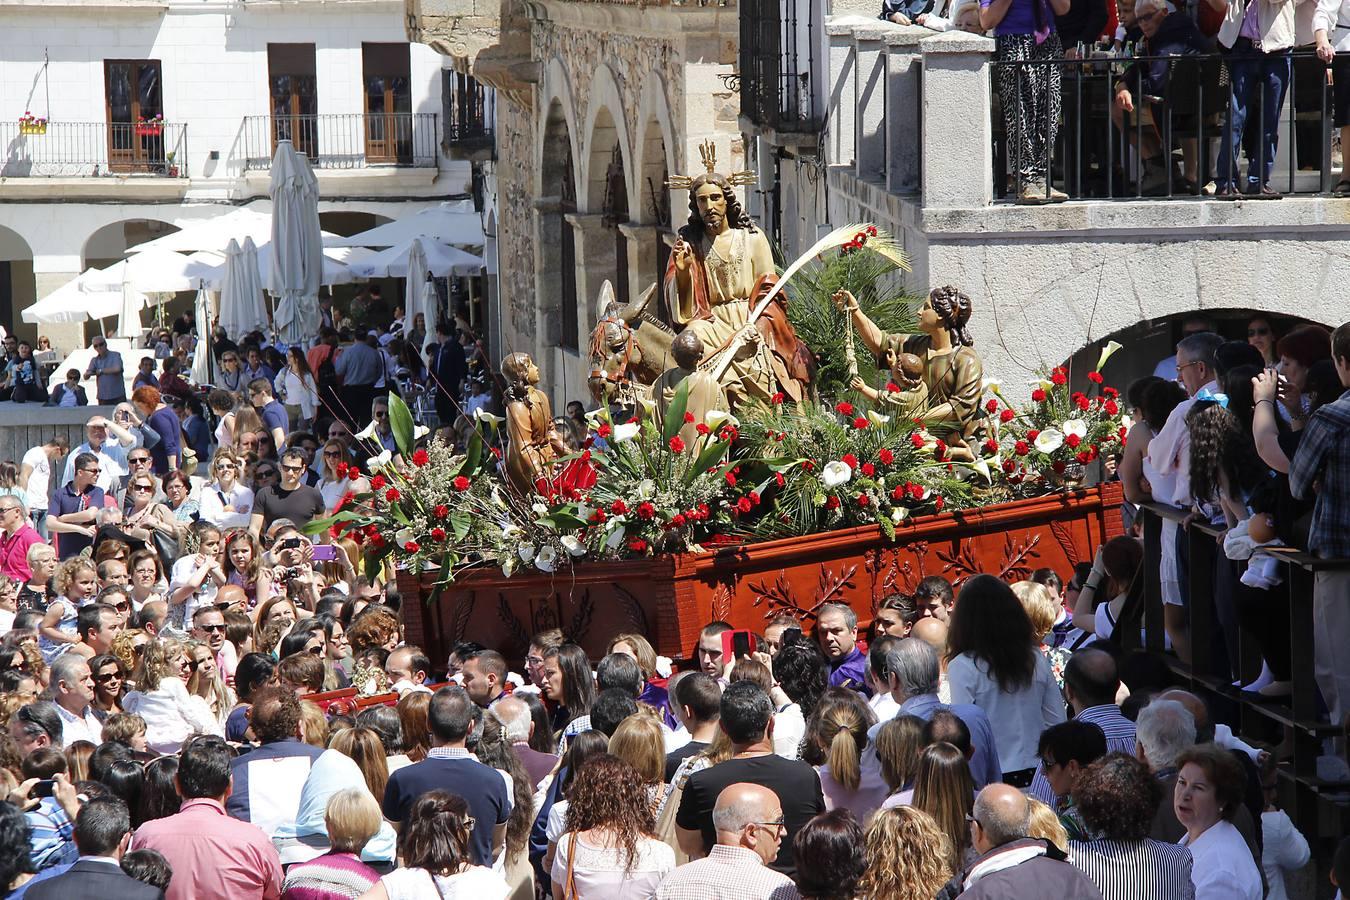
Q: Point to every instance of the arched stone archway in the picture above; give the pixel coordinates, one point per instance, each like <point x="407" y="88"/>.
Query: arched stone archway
<point x="556" y="308"/>
<point x="607" y="140"/>
<point x="348" y="222"/>
<point x="109" y="243"/>
<point x="17" y="285"/>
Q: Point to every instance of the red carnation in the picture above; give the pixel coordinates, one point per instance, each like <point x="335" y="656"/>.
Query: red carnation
<point x="677" y="520"/>
<point x="1060" y="375"/>
<point x="689" y="418"/>
<point x="1095" y="377"/>
<point x="412" y="546"/>
<point x="392" y="494"/>
<point x="754" y="498"/>
<point x="860" y="422"/>
<point x="637" y="545"/>
<point x="677" y="444"/>
<point x="420" y="458"/>
<point x="461" y="483"/>
<point x="863" y="500"/>
<point x="1038" y="395"/>
<point x="585" y="455"/>
<point x="1083" y="456"/>
<point x="844" y="407"/>
<point x="731" y="479"/>
<point x="992" y="406"/>
<point x="1033" y="434"/>
<point x="1082" y="403"/>
<point x="1021" y="448"/>
<point x="885" y="456"/>
<point x="1009" y="466"/>
<point x="872" y="230"/>
<point x="703" y="511"/>
<point x="940" y="451"/>
<point x="892" y="387"/>
<point x="743" y="505"/>
<point x="604" y="430"/>
<point x="341" y="469"/>
<point x="646" y="511"/>
<point x="618" y="507"/>
<point x="777" y="398"/>
<point x="702" y="429"/>
<point x="832" y="502"/>
<point x="938" y="503"/>
<point x="1006" y="416"/>
<point x="898" y="492"/>
<point x="809" y="466"/>
<point x="438" y="534"/>
<point x="850" y="460"/>
<point x="1110" y="391"/>
<point x="915" y="490"/>
<point x="917" y="440"/>
<point x="377" y="482"/>
<point x="1072" y="440"/>
<point x="597" y="517"/>
<point x="1111" y="407"/>
<point x="990" y="446"/>
<point x="869" y="470"/>
<point x="377" y="540"/>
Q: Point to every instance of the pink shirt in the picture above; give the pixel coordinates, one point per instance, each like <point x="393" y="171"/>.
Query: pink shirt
<point x="214" y="857"/>
<point x="14" y="552"/>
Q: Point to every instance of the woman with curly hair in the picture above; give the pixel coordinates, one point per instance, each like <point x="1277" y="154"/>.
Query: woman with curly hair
<point x="435" y="855"/>
<point x="609" y="850"/>
<point x="908" y="856"/>
<point x="1118" y="797"/>
<point x="993" y="662"/>
<point x="830" y="855"/>
<point x="171" y="714"/>
<point x="374" y="626"/>
<point x="129" y="647"/>
<point x="803" y="674"/>
<point x="944" y="789"/>
<point x="836" y="736"/>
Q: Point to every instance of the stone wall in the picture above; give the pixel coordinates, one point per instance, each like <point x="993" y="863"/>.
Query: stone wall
<point x="515" y="225"/>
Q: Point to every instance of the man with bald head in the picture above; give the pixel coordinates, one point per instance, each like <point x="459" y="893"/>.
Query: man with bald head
<point x="230" y="595"/>
<point x="1011" y="864"/>
<point x="1090" y="685"/>
<point x="749" y="822"/>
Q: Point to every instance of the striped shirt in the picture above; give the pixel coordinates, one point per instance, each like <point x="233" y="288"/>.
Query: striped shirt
<point x="1119" y="733"/>
<point x="727" y="873"/>
<point x="1135" y="870"/>
<point x="333" y="876"/>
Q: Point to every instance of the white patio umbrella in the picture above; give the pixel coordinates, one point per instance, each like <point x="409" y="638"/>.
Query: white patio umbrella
<point x="297" y="246"/>
<point x="129" y="315"/>
<point x="151" y="272"/>
<point x="71" y="303"/>
<point x="202" y="355"/>
<point x="414" y="289"/>
<point x="257" y="275"/>
<point x="214" y="233"/>
<point x="441" y="261"/>
<point x="241" y="307"/>
<point x="449" y="223"/>
<point x="334" y="270"/>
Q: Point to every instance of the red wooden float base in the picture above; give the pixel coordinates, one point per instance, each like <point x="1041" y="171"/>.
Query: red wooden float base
<point x="670" y="598"/>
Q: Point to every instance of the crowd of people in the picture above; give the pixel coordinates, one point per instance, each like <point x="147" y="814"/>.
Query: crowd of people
<point x="172" y="640"/>
<point x="1250" y="66"/>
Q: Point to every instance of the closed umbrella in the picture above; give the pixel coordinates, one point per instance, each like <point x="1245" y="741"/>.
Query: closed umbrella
<point x="297" y="246"/>
<point x="431" y="306"/>
<point x="414" y="292"/>
<point x="129" y="316"/>
<point x="255" y="269"/>
<point x="237" y="314"/>
<point x="201" y="357"/>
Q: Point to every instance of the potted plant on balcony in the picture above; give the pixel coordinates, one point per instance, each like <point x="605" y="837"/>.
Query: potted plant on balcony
<point x="152" y="127"/>
<point x="31" y="124"/>
<point x="171" y="170"/>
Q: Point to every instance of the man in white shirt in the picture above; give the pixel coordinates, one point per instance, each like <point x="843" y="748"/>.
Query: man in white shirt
<point x="1169" y="453"/>
<point x="72" y="690"/>
<point x="36" y="478"/>
<point x="112" y="457"/>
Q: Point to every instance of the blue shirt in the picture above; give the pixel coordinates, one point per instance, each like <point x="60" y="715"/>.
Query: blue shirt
<point x="66" y="501"/>
<point x="273" y="415"/>
<point x="458" y="772"/>
<point x="165" y="423"/>
<point x="984" y="765"/>
<point x="111" y="388"/>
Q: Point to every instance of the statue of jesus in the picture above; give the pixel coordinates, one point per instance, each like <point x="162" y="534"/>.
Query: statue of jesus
<point x="719" y="268"/>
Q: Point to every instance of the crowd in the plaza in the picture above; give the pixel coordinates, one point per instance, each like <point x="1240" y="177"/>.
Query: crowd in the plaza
<point x="167" y="623"/>
<point x="1154" y="103"/>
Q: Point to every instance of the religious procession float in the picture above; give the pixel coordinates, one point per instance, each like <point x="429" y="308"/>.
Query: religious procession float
<point x="775" y="441"/>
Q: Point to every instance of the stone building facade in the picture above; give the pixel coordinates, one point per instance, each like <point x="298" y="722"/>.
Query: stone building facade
<point x="599" y="101"/>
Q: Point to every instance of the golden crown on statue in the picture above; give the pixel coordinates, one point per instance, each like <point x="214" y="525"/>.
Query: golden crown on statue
<point x="708" y="152"/>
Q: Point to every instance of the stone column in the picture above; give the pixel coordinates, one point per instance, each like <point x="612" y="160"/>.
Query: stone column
<point x="548" y="226"/>
<point x="596" y="263"/>
<point x="65" y="336"/>
<point x="641" y="245"/>
<point x="903" y="112"/>
<point x="957" y="142"/>
<point x="869" y="92"/>
<point x="843" y="75"/>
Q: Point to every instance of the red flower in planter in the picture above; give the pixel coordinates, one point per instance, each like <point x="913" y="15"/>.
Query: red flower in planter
<point x="860" y="423"/>
<point x="850" y="460"/>
<point x="646" y="511"/>
<point x="1038" y="396"/>
<point x="676" y="444"/>
<point x="1021" y="448"/>
<point x="637" y="545"/>
<point x="412" y="546"/>
<point x="832" y="502"/>
<point x="1111" y="407"/>
<point x="743" y="505"/>
<point x="377" y="482"/>
<point x="778" y="477"/>
<point x="869" y="470"/>
<point x="618" y="507"/>
<point x="844" y="408"/>
<point x="702" y="429"/>
<point x="917" y="440"/>
<point x="392" y="494"/>
<point x="938" y="503"/>
<point x="1033" y="433"/>
<point x="438" y="534"/>
<point x="442" y="510"/>
<point x="604" y="430"/>
<point x="885" y="456"/>
<point x="1006" y="416"/>
<point x="754" y="498"/>
<point x="863" y="500"/>
<point x="991" y="406"/>
<point x="461" y="483"/>
<point x="1059" y="376"/>
<point x="990" y="446"/>
<point x="1095" y="377"/>
<point x="1072" y="441"/>
<point x="898" y="492"/>
<point x="420" y="458"/>
<point x="731" y="479"/>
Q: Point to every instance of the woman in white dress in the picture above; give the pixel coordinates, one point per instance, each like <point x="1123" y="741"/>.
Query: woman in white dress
<point x="226" y="502"/>
<point x="298" y="390"/>
<point x="433" y="847"/>
<point x="1208" y="792"/>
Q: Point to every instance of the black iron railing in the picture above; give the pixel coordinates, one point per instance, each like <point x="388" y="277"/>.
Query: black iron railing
<point x="1222" y="651"/>
<point x="1168" y="140"/>
<point x="777" y="62"/>
<point x="345" y="140"/>
<point x="470" y="111"/>
<point x="91" y="149"/>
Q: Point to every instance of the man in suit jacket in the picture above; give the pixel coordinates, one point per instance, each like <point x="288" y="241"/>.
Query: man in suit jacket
<point x="102" y="832"/>
<point x="449" y="368"/>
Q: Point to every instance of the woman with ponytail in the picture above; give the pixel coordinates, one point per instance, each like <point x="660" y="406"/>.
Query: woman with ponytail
<point x="836" y="736"/>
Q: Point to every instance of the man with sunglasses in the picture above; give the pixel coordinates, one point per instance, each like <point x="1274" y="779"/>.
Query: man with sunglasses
<point x="750" y="829"/>
<point x="208" y="626"/>
<point x="112" y="455"/>
<point x="16" y="536"/>
<point x="75" y="508"/>
<point x="139" y="463"/>
<point x="291" y="499"/>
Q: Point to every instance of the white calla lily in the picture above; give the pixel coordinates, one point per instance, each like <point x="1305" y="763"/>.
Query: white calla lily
<point x="367" y="433"/>
<point x="646" y="489"/>
<point x="526" y="552"/>
<point x="482" y="415"/>
<point x="1044" y="384"/>
<point x="1049" y="440"/>
<point x="572" y="545"/>
<point x="379" y="462"/>
<point x="1075" y="426"/>
<point x="508" y="566"/>
<point x="1107" y="352"/>
<point x="404" y="536"/>
<point x="615" y="538"/>
<point x="716" y="417"/>
<point x="648" y="404"/>
<point x="420" y="431"/>
<point x="877" y="418"/>
<point x="625" y="431"/>
<point x="835" y="473"/>
<point x="546" y="558"/>
<point x="539" y="509"/>
<point x="993" y="385"/>
<point x="982" y="466"/>
<point x="899" y="514"/>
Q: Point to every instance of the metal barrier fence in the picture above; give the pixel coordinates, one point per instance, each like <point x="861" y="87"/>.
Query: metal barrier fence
<point x="1180" y="109"/>
<point x="1221" y="652"/>
<point x="93" y="149"/>
<point x="345" y="140"/>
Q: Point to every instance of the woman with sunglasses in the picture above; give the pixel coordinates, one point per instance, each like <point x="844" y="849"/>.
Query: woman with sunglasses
<point x="1261" y="335"/>
<point x="9" y="602"/>
<point x="129" y="647"/>
<point x="110" y="679"/>
<point x="171" y="714"/>
<point x="332" y="487"/>
<point x="206" y="681"/>
<point x="143" y="516"/>
<point x="226" y="502"/>
<point x="231" y="375"/>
